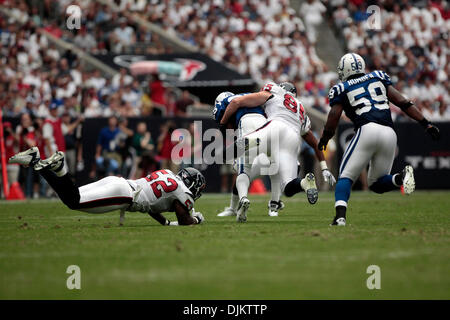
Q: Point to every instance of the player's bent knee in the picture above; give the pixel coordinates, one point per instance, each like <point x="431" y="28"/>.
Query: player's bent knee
<point x="292" y="188"/>
<point x="73" y="205"/>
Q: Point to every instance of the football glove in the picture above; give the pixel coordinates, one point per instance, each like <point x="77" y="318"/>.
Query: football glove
<point x="197" y="216"/>
<point x="322" y="145"/>
<point x="328" y="177"/>
<point x="433" y="131"/>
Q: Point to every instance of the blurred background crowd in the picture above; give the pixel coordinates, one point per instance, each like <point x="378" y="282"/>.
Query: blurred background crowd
<point x="411" y="45"/>
<point x="52" y="91"/>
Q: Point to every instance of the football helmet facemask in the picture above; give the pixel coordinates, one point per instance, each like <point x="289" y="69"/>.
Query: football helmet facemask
<point x="194" y="181"/>
<point x="289" y="87"/>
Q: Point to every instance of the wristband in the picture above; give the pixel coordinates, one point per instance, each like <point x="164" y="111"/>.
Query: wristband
<point x="424" y="123"/>
<point x="197" y="220"/>
<point x="406" y="105"/>
<point x="323" y="165"/>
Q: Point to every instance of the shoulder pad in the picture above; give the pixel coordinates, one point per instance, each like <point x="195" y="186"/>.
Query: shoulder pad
<point x="273" y="88"/>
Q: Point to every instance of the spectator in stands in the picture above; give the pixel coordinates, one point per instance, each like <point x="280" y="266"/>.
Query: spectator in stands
<point x="183" y="102"/>
<point x="312" y="11"/>
<point x="144" y="146"/>
<point x="123" y="141"/>
<point x="26" y="134"/>
<point x="123" y="36"/>
<point x="107" y="159"/>
<point x="165" y="146"/>
<point x="85" y="40"/>
<point x="69" y="131"/>
<point x="157" y="91"/>
<point x="52" y="132"/>
<point x="11" y="148"/>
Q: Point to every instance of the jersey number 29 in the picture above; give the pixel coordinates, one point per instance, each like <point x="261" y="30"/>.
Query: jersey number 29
<point x="160" y="180"/>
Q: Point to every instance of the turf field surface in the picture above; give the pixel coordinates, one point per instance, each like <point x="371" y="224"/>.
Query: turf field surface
<point x="294" y="256"/>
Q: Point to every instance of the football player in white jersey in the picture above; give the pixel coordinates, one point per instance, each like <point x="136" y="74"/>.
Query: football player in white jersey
<point x="280" y="136"/>
<point x="161" y="191"/>
<point x="365" y="97"/>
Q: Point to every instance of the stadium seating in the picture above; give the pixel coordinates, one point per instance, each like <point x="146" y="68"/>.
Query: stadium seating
<point x="410" y="44"/>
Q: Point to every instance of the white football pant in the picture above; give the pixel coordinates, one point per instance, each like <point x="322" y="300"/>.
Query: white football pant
<point x="373" y="144"/>
<point x="108" y="194"/>
<point x="281" y="143"/>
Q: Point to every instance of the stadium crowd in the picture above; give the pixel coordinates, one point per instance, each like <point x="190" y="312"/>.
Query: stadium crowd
<point x="411" y="43"/>
<point x="266" y="39"/>
<point x="53" y="92"/>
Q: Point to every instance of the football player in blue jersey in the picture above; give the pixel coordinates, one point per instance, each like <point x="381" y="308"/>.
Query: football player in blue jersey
<point x="365" y="98"/>
<point x="245" y="121"/>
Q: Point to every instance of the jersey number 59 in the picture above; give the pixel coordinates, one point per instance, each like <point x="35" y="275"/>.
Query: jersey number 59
<point x="160" y="181"/>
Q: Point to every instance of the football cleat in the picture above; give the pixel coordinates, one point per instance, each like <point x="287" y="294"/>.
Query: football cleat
<point x="338" y="222"/>
<point x="54" y="163"/>
<point x="27" y="158"/>
<point x="241" y="214"/>
<point x="274" y="206"/>
<point x="308" y="184"/>
<point x="227" y="212"/>
<point x="409" y="184"/>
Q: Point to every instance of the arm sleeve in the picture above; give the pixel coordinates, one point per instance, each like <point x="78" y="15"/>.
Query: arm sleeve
<point x="185" y="199"/>
<point x="384" y="77"/>
<point x="335" y="95"/>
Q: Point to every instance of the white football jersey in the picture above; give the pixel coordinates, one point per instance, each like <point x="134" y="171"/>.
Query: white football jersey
<point x="159" y="190"/>
<point x="284" y="106"/>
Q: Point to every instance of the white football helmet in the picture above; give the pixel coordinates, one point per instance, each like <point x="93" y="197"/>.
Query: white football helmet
<point x="222" y="96"/>
<point x="350" y="64"/>
<point x="218" y="102"/>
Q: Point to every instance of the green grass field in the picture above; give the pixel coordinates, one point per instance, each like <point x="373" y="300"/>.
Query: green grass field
<point x="294" y="256"/>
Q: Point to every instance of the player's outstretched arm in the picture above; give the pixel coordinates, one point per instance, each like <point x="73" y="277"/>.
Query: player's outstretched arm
<point x="312" y="141"/>
<point x="330" y="127"/>
<point x="183" y="216"/>
<point x="160" y="218"/>
<point x="249" y="100"/>
<point x="411" y="110"/>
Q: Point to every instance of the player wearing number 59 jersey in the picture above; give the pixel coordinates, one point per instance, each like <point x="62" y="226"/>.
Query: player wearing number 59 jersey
<point x="365" y="97"/>
<point x="159" y="192"/>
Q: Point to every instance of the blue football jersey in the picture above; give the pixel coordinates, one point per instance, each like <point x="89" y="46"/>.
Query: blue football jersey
<point x="364" y="99"/>
<point x="219" y="110"/>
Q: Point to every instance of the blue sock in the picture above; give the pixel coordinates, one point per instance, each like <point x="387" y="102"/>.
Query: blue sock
<point x="384" y="184"/>
<point x="342" y="191"/>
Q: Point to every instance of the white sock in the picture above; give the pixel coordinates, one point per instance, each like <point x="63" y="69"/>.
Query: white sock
<point x="234" y="201"/>
<point x="242" y="184"/>
<point x="275" y="187"/>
